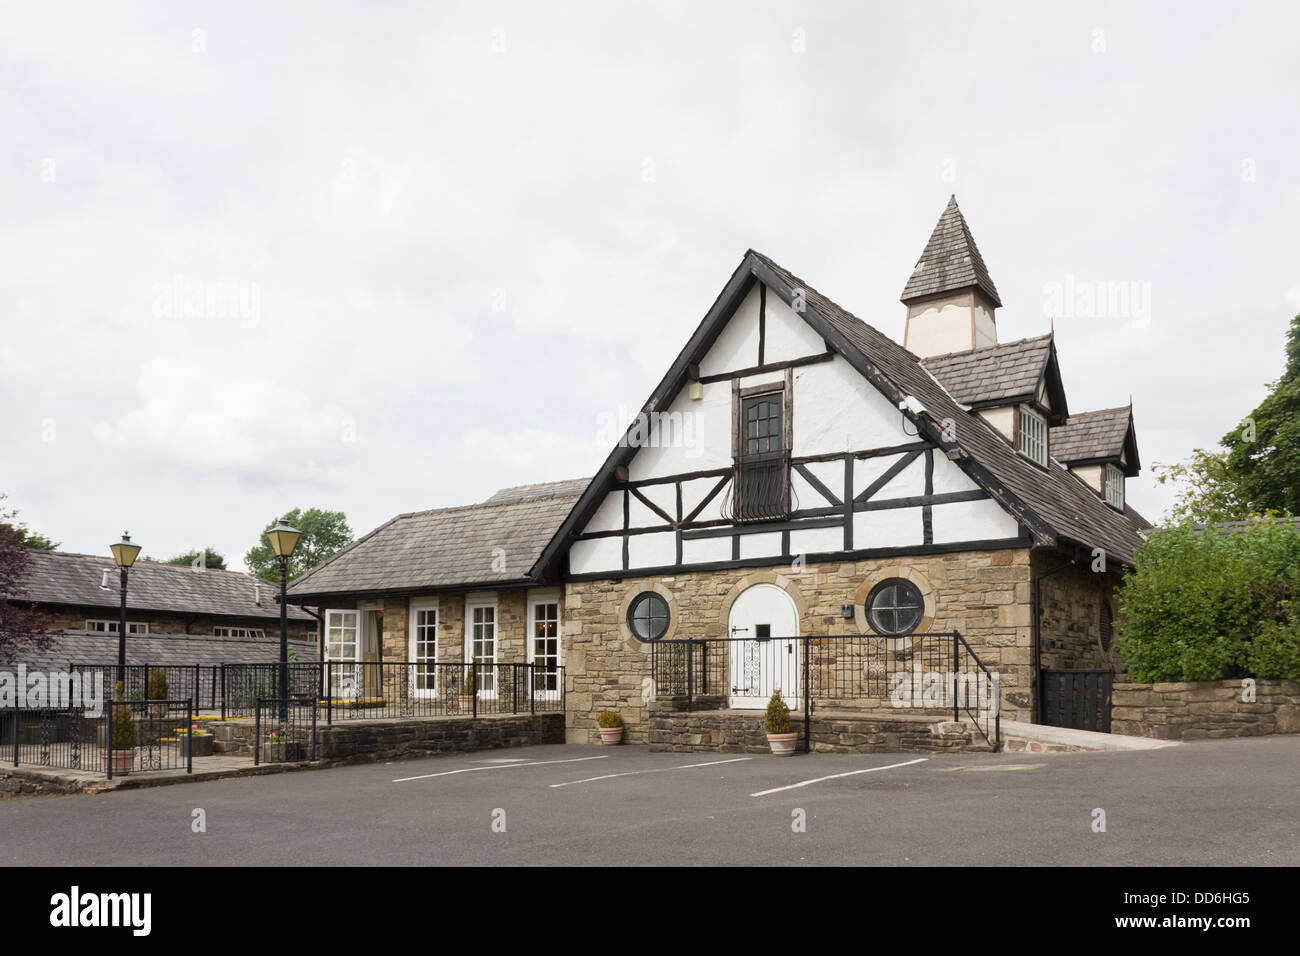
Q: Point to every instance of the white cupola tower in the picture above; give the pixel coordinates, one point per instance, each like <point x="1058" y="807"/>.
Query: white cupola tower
<point x="950" y="297"/>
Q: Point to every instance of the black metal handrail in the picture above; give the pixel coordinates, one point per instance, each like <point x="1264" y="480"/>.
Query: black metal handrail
<point x="932" y="670"/>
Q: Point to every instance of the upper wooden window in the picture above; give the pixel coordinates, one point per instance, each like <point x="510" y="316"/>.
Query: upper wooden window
<point x="1033" y="435"/>
<point x="763" y="464"/>
<point x="1114" y="487"/>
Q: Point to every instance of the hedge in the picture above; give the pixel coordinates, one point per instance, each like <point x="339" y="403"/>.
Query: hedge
<point x="1220" y="604"/>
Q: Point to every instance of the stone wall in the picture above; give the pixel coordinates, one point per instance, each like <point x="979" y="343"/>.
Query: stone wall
<point x="983" y="594"/>
<point x="728" y="731"/>
<point x="1203" y="710"/>
<point x="1070" y="625"/>
<point x="360" y="741"/>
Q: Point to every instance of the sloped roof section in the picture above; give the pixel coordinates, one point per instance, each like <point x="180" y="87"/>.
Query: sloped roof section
<point x="1051" y="502"/>
<point x="951" y="261"/>
<point x="1103" y="435"/>
<point x="57" y="577"/>
<point x="495" y="542"/>
<point x="996" y="374"/>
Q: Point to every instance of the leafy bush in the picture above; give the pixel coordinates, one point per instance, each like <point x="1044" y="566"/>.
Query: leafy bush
<point x="609" y="720"/>
<point x="123" y="722"/>
<point x="777" y="720"/>
<point x="1213" y="605"/>
<point x="157" y="684"/>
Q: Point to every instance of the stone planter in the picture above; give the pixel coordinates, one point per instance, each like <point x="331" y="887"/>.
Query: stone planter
<point x="121" y="761"/>
<point x="288" y="751"/>
<point x="466" y="703"/>
<point x="157" y="709"/>
<point x="783" y="745"/>
<point x="611" y="735"/>
<point x="204" y="745"/>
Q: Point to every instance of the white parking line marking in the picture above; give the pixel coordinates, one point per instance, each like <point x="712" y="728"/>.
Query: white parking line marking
<point x="502" y="766"/>
<point x="633" y="773"/>
<point x="836" y="776"/>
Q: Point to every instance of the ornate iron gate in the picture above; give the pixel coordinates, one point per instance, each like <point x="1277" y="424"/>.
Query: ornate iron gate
<point x="1077" y="698"/>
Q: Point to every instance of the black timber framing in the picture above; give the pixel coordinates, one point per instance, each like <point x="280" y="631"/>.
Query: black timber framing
<point x="772" y="367"/>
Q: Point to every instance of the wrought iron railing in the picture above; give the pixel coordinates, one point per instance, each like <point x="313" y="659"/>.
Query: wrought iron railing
<point x="930" y="671"/>
<point x="122" y="737"/>
<point x="201" y="683"/>
<point x="284" y="730"/>
<point x="388" y="689"/>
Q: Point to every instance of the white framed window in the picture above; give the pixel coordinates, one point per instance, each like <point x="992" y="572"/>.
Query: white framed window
<point x="246" y="632"/>
<point x="481" y="641"/>
<point x="1114" y="487"/>
<point x="1033" y="435"/>
<point x="544" y="643"/>
<point x="423" y="646"/>
<point x="342" y="644"/>
<point x="110" y="627"/>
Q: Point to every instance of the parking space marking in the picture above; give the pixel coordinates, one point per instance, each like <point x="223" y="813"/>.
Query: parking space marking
<point x="633" y="773"/>
<point x="836" y="776"/>
<point x="500" y="766"/>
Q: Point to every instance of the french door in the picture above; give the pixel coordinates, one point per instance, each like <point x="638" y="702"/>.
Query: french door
<point x="342" y="650"/>
<point x="544" y="646"/>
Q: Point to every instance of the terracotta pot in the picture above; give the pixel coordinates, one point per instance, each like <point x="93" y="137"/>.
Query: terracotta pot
<point x="467" y="703"/>
<point x="783" y="745"/>
<point x="611" y="735"/>
<point x="122" y="761"/>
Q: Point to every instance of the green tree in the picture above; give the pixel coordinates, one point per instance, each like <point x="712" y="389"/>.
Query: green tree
<point x="1207" y="490"/>
<point x="1264" y="449"/>
<point x="324" y="534"/>
<point x="212" y="560"/>
<point x="30" y="539"/>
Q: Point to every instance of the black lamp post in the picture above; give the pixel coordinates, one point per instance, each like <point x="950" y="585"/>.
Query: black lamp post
<point x="124" y="554"/>
<point x="283" y="540"/>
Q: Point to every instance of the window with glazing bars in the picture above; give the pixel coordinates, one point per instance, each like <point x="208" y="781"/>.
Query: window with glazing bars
<point x="763" y="469"/>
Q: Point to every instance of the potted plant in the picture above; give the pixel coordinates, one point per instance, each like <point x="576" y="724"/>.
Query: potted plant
<point x="781" y="736"/>
<point x="157" y="692"/>
<point x="610" y="725"/>
<point x="467" y="691"/>
<point x="195" y="738"/>
<point x="120" y="754"/>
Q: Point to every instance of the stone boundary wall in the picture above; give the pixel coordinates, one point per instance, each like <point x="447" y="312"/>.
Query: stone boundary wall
<point x="1201" y="710"/>
<point x="405" y="738"/>
<point x="731" y="731"/>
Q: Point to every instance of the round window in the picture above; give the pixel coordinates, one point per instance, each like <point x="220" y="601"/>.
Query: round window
<point x="895" y="606"/>
<point x="648" y="616"/>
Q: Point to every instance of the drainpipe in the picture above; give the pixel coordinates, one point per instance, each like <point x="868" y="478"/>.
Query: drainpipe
<point x="1037" y="623"/>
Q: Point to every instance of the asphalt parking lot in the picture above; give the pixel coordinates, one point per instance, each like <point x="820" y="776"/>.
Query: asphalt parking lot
<point x="1216" y="803"/>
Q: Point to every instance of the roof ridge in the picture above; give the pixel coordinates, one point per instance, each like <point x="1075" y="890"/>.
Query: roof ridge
<point x="1095" y="412"/>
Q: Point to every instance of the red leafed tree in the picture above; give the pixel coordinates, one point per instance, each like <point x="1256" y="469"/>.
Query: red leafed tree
<point x="23" y="626"/>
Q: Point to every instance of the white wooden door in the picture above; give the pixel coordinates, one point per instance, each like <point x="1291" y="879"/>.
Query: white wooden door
<point x="764" y="651"/>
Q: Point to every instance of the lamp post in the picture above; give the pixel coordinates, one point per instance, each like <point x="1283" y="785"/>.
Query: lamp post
<point x="124" y="554"/>
<point x="283" y="540"/>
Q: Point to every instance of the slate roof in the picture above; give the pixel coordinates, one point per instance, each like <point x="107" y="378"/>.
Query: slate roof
<point x="1095" y="436"/>
<point x="58" y="577"/>
<point x="951" y="261"/>
<point x="449" y="547"/>
<point x="81" y="648"/>
<point x="995" y="374"/>
<point x="1051" y="501"/>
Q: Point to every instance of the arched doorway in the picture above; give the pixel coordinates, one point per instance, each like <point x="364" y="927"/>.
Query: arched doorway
<point x="764" y="647"/>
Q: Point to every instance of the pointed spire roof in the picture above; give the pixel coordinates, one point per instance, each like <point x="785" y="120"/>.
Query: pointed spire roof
<point x="951" y="261"/>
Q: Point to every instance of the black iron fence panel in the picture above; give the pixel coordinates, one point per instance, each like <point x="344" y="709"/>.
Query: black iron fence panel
<point x="284" y="730"/>
<point x="201" y="683"/>
<point x="121" y="737"/>
<point x="388" y="689"/>
<point x="932" y="672"/>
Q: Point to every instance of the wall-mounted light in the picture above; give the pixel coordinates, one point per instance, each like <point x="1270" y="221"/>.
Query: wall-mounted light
<point x="846" y="611"/>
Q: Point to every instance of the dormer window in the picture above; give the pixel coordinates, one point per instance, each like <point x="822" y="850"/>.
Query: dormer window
<point x="1033" y="435"/>
<point x="1114" y="487"/>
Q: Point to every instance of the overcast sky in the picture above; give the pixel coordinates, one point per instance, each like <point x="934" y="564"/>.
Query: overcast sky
<point x="466" y="234"/>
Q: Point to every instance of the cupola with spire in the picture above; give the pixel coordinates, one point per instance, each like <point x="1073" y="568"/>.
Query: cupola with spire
<point x="950" y="297"/>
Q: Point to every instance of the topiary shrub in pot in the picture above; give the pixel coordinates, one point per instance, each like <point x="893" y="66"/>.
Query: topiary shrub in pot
<point x="120" y="754"/>
<point x="157" y="692"/>
<point x="467" y="689"/>
<point x="610" y="726"/>
<point x="781" y="736"/>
